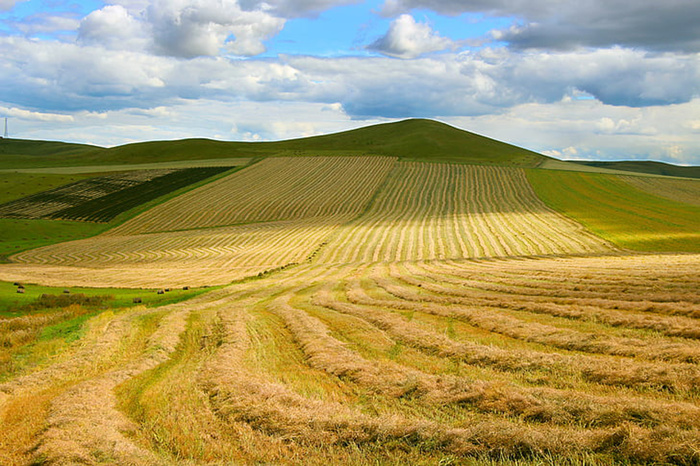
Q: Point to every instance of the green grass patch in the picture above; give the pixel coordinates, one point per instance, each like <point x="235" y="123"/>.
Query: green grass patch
<point x="13" y="304"/>
<point x="620" y="213"/>
<point x="18" y="235"/>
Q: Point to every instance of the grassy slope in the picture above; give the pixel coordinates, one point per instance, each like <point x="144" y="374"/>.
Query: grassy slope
<point x="620" y="213"/>
<point x="16" y="153"/>
<point x="411" y="139"/>
<point x="17" y="185"/>
<point x="647" y="166"/>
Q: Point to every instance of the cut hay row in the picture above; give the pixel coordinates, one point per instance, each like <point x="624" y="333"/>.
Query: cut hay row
<point x="677" y="190"/>
<point x="273" y="189"/>
<point x="431" y="211"/>
<point x="382" y="362"/>
<point x="198" y="257"/>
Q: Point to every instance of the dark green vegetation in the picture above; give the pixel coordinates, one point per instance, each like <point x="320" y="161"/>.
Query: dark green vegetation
<point x="105" y="208"/>
<point x="620" y="213"/>
<point x="650" y="167"/>
<point x="15" y="153"/>
<point x="416" y="139"/>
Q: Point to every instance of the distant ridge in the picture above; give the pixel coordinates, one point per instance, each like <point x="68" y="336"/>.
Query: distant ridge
<point x="415" y="139"/>
<point x="644" y="166"/>
<point x="412" y="139"/>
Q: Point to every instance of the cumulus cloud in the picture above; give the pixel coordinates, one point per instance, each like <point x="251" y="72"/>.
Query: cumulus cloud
<point x="408" y="39"/>
<point x="113" y="27"/>
<point x="181" y="28"/>
<point x="650" y="24"/>
<point x="186" y="28"/>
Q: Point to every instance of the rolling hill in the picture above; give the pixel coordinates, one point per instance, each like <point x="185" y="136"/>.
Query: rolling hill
<point x="424" y="140"/>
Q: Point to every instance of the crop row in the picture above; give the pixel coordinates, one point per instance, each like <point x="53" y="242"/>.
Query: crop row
<point x="435" y="211"/>
<point x="105" y="208"/>
<point x="408" y="362"/>
<point x="46" y="203"/>
<point x="274" y="189"/>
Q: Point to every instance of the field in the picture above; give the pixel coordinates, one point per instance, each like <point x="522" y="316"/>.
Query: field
<point x="363" y="310"/>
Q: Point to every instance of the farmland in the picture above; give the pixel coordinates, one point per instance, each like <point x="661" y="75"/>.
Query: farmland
<point x="394" y="308"/>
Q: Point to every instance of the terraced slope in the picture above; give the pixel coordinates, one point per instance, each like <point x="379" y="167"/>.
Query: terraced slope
<point x="563" y="360"/>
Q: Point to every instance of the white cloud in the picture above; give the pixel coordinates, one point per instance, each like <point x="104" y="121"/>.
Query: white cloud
<point x="181" y="28"/>
<point x="572" y="129"/>
<point x="113" y="27"/>
<point x="35" y="116"/>
<point x="187" y="28"/>
<point x="408" y="39"/>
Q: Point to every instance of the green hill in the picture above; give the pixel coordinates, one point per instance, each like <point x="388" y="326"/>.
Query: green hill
<point x="646" y="166"/>
<point x="23" y="153"/>
<point x="414" y="139"/>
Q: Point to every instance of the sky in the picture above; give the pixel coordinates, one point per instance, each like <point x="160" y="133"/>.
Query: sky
<point x="590" y="79"/>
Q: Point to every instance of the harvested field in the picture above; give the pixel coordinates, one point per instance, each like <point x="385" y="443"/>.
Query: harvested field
<point x="274" y="189"/>
<point x="436" y="211"/>
<point x="413" y="362"/>
<point x="422" y="314"/>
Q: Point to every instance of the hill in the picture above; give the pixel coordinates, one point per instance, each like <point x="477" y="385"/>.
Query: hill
<point x="415" y="140"/>
<point x="23" y="153"/>
<point x="645" y="166"/>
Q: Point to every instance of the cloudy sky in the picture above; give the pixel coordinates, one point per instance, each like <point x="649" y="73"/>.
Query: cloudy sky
<point x="603" y="79"/>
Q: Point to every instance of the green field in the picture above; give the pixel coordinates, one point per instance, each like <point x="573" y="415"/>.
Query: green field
<point x="620" y="213"/>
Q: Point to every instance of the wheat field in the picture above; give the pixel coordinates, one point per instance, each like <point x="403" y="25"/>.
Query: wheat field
<point x="438" y="314"/>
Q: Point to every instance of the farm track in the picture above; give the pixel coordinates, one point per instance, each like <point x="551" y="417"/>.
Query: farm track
<point x="384" y="344"/>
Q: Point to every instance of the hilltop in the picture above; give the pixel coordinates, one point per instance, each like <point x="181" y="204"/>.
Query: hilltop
<point x="414" y="139"/>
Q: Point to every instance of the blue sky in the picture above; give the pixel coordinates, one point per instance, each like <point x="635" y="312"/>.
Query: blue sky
<point x="602" y="79"/>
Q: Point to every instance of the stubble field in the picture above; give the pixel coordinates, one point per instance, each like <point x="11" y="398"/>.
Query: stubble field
<point x="381" y="312"/>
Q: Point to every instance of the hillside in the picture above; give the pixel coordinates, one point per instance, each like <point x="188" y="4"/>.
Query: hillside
<point x="423" y="140"/>
<point x="16" y="153"/>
